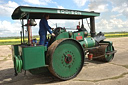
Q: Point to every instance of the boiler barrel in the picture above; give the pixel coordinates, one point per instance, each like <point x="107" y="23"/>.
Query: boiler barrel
<point x="88" y="42"/>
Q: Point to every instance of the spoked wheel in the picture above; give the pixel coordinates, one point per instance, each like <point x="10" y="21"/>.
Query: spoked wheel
<point x="65" y="58"/>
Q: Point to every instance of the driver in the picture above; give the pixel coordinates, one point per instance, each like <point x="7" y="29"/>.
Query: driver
<point x="43" y="28"/>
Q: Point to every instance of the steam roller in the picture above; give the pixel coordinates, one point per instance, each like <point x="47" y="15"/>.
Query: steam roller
<point x="63" y="55"/>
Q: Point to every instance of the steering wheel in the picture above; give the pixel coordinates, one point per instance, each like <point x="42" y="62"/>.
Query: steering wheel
<point x="58" y="30"/>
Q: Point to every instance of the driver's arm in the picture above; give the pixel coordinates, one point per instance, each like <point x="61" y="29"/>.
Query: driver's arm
<point x="48" y="28"/>
<point x="51" y="28"/>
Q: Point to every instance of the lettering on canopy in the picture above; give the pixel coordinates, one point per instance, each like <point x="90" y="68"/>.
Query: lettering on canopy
<point x="68" y="12"/>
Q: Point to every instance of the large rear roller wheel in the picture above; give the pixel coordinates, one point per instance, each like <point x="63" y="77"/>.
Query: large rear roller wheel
<point x="65" y="58"/>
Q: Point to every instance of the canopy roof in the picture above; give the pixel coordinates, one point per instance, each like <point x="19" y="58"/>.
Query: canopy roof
<point x="21" y="12"/>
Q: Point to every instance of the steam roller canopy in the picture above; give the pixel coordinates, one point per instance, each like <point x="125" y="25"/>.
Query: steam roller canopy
<point x="66" y="58"/>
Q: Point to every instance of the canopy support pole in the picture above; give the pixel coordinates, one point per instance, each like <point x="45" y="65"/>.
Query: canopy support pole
<point x="28" y="28"/>
<point x="82" y="26"/>
<point x="23" y="29"/>
<point x="92" y="26"/>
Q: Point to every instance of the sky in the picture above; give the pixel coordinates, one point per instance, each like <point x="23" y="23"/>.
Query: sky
<point x="113" y="14"/>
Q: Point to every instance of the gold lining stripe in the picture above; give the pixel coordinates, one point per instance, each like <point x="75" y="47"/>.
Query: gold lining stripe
<point x="93" y="41"/>
<point x="86" y="41"/>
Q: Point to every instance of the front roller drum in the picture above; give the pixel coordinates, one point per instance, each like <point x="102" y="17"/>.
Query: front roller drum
<point x="65" y="58"/>
<point x="104" y="53"/>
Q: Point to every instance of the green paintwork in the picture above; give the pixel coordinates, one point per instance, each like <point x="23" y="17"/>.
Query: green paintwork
<point x="62" y="35"/>
<point x="33" y="56"/>
<point x="109" y="48"/>
<point x="89" y="42"/>
<point x="16" y="59"/>
<point x="76" y="34"/>
<point x="15" y="51"/>
<point x="37" y="12"/>
<point x="85" y="35"/>
<point x="67" y="70"/>
<point x="18" y="64"/>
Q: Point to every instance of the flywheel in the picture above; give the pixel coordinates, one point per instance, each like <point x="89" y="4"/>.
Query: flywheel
<point x="65" y="58"/>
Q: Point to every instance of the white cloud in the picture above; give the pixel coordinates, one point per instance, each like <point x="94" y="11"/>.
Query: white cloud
<point x="9" y="29"/>
<point x="113" y="24"/>
<point x="12" y="4"/>
<point x="80" y="3"/>
<point x="98" y="5"/>
<point x="120" y="6"/>
<point x="125" y="12"/>
<point x="60" y="7"/>
<point x="39" y="2"/>
<point x="13" y="29"/>
<point x="86" y="10"/>
<point x="116" y="9"/>
<point x="7" y="9"/>
<point x="34" y="2"/>
<point x="119" y="2"/>
<point x="115" y="16"/>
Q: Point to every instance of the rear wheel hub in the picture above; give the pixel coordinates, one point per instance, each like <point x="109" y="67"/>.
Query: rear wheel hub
<point x="68" y="58"/>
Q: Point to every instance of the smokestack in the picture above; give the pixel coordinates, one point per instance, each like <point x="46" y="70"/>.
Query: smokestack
<point x="92" y="26"/>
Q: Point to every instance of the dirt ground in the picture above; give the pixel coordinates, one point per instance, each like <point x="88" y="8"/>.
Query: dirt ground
<point x="93" y="72"/>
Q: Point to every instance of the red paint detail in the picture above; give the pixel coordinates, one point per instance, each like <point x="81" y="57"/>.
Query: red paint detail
<point x="90" y="56"/>
<point x="78" y="33"/>
<point x="69" y="57"/>
<point x="79" y="37"/>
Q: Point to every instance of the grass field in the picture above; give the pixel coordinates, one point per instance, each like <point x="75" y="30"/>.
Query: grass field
<point x="17" y="40"/>
<point x="117" y="34"/>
